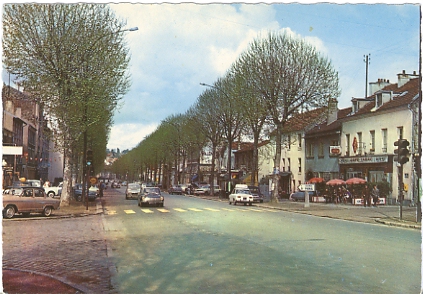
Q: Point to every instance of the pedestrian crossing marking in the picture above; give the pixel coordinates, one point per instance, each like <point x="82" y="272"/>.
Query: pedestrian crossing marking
<point x="194" y="209"/>
<point x="270" y="210"/>
<point x="211" y="209"/>
<point x="147" y="211"/>
<point x="180" y="209"/>
<point x="111" y="212"/>
<point x="228" y="209"/>
<point x="163" y="210"/>
<point x="257" y="210"/>
<point x="129" y="211"/>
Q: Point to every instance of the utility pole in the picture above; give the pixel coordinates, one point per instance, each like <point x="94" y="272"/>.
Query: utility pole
<point x="367" y="61"/>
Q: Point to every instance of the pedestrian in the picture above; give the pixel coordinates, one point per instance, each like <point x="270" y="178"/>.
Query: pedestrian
<point x="102" y="185"/>
<point x="375" y="195"/>
<point x="366" y="196"/>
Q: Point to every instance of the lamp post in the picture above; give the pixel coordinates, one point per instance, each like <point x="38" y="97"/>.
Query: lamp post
<point x="87" y="178"/>
<point x="229" y="135"/>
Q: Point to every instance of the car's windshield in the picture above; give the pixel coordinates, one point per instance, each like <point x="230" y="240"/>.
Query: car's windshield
<point x="152" y="190"/>
<point x="243" y="191"/>
<point x="133" y="186"/>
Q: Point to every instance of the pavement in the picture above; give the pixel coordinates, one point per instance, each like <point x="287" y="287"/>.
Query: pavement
<point x="17" y="280"/>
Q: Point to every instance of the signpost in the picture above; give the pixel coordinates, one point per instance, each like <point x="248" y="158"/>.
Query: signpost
<point x="307" y="188"/>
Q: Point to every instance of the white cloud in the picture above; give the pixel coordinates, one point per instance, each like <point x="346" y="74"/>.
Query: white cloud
<point x="127" y="136"/>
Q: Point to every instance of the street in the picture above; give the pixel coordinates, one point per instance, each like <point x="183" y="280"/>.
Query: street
<point x="192" y="245"/>
<point x="198" y="246"/>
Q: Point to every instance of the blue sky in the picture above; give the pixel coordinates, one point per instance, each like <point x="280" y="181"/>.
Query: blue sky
<point x="179" y="46"/>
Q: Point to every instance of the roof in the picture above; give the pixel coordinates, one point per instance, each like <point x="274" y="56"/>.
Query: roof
<point x="249" y="146"/>
<point x="403" y="96"/>
<point x="302" y="120"/>
<point x="323" y="127"/>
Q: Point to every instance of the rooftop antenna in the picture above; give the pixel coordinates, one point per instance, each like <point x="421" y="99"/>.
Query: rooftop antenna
<point x="367" y="61"/>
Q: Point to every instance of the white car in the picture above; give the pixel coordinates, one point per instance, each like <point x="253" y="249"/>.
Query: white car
<point x="241" y="195"/>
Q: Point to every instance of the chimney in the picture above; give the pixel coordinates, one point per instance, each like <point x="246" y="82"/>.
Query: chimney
<point x="332" y="110"/>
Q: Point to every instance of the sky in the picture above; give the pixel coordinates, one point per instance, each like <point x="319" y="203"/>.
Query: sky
<point x="179" y="46"/>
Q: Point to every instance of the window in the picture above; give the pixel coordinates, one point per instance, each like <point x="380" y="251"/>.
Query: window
<point x="289" y="142"/>
<point x="372" y="141"/>
<point x="309" y="150"/>
<point x="361" y="146"/>
<point x="299" y="165"/>
<point x="400" y="132"/>
<point x="38" y="193"/>
<point x="283" y="162"/>
<point x="321" y="151"/>
<point x="379" y="100"/>
<point x="289" y="164"/>
<point x="347" y="141"/>
<point x="384" y="140"/>
<point x="299" y="138"/>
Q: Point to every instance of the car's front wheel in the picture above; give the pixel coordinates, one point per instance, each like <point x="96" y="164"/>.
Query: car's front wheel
<point x="51" y="194"/>
<point x="47" y="211"/>
<point x="9" y="212"/>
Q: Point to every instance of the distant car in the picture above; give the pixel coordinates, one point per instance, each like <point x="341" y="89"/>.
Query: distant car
<point x="257" y="195"/>
<point x="132" y="190"/>
<point x="300" y="195"/>
<point x="151" y="196"/>
<point x="241" y="195"/>
<point x="202" y="190"/>
<point x="185" y="188"/>
<point x="26" y="200"/>
<point x="77" y="193"/>
<point x="34" y="183"/>
<point x="176" y="190"/>
<point x="115" y="185"/>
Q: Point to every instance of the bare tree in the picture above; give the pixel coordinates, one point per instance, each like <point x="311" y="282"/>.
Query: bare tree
<point x="291" y="75"/>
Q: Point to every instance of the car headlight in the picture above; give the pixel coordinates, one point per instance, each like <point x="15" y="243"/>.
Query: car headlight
<point x="161" y="198"/>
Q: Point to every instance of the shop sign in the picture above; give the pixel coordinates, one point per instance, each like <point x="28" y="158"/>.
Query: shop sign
<point x="363" y="159"/>
<point x="335" y="150"/>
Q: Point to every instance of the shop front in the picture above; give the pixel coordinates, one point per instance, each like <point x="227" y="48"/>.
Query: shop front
<point x="373" y="168"/>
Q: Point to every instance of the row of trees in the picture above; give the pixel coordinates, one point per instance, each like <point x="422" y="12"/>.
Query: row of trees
<point x="73" y="59"/>
<point x="277" y="77"/>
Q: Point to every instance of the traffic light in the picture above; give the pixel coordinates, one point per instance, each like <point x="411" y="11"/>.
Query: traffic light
<point x="89" y="157"/>
<point x="402" y="153"/>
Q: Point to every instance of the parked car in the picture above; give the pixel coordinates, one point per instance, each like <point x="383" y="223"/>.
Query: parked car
<point x="185" y="188"/>
<point x="34" y="183"/>
<point x="176" y="189"/>
<point x="241" y="195"/>
<point x="54" y="191"/>
<point x="151" y="195"/>
<point x="132" y="190"/>
<point x="77" y="192"/>
<point x="257" y="195"/>
<point x="300" y="195"/>
<point x="202" y="190"/>
<point x="26" y="200"/>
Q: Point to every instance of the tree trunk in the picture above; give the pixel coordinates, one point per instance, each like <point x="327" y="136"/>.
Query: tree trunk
<point x="277" y="163"/>
<point x="67" y="181"/>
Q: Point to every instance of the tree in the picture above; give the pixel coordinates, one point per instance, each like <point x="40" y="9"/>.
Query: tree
<point x="291" y="75"/>
<point x="59" y="53"/>
<point x="206" y="115"/>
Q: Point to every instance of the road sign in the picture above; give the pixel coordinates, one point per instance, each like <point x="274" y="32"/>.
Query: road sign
<point x="93" y="180"/>
<point x="307" y="187"/>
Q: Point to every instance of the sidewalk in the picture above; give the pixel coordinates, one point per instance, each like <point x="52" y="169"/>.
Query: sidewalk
<point x="382" y="214"/>
<point x="18" y="281"/>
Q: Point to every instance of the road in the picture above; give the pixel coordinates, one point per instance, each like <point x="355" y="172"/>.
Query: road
<point x="198" y="246"/>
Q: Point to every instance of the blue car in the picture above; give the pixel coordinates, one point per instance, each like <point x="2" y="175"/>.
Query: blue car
<point x="300" y="195"/>
<point x="77" y="193"/>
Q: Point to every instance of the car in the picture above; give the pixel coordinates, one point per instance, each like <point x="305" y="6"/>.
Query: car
<point x="34" y="183"/>
<point x="151" y="195"/>
<point x="176" y="189"/>
<point x="26" y="200"/>
<point x="257" y="195"/>
<point x="241" y="195"/>
<point x="202" y="190"/>
<point x="77" y="193"/>
<point x="132" y="190"/>
<point x="300" y="195"/>
<point x="115" y="185"/>
<point x="54" y="191"/>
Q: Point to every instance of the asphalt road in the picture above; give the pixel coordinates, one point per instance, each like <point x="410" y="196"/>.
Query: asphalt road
<point x="198" y="246"/>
